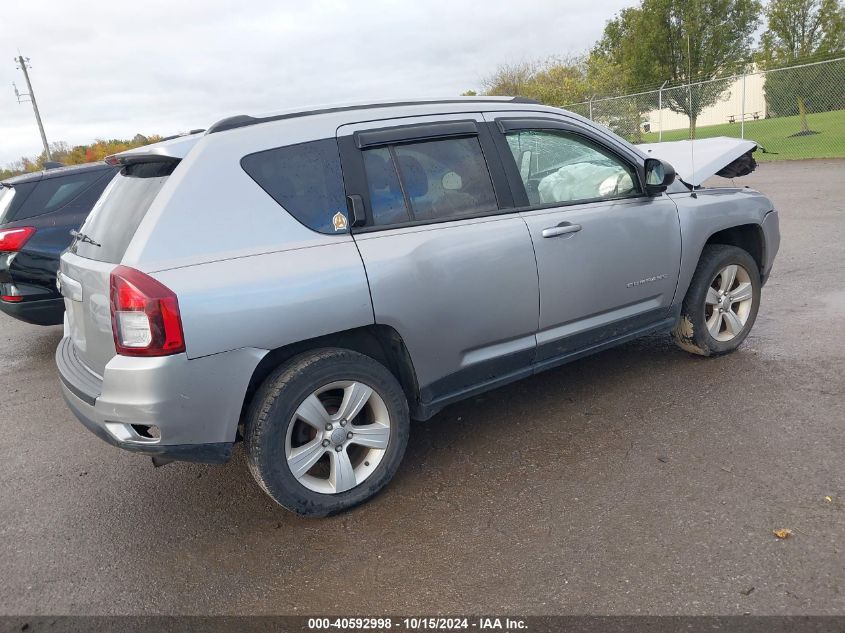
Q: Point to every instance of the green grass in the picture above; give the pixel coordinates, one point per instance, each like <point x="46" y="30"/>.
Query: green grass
<point x="774" y="136"/>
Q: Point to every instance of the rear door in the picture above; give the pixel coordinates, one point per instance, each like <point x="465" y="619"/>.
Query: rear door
<point x="86" y="267"/>
<point x="449" y="263"/>
<point x="608" y="255"/>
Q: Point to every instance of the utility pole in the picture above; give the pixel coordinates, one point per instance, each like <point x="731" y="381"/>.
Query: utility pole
<point x="23" y="64"/>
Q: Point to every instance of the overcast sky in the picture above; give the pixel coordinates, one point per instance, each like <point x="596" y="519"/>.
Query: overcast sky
<point x="114" y="69"/>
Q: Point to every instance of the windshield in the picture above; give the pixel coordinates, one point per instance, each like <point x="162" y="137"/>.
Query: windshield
<point x="6" y="195"/>
<point x="119" y="211"/>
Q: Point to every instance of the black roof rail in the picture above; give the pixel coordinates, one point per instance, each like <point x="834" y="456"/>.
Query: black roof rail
<point x="244" y="120"/>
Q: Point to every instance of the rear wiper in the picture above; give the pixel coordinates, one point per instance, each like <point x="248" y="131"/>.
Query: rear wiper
<point x="81" y="237"/>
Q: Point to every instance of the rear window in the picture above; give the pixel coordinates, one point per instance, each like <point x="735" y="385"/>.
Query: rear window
<point x="306" y="180"/>
<point x="52" y="194"/>
<point x="119" y="211"/>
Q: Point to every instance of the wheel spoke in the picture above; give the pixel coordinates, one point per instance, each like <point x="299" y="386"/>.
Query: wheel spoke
<point x="313" y="413"/>
<point x="342" y="475"/>
<point x="371" y="435"/>
<point x="712" y="296"/>
<point x="302" y="458"/>
<point x="728" y="276"/>
<point x="743" y="292"/>
<point x="355" y="396"/>
<point x="714" y="323"/>
<point x="732" y="321"/>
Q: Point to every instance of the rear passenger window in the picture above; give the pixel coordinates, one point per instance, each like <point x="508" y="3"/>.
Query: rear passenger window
<point x="430" y="181"/>
<point x="306" y="180"/>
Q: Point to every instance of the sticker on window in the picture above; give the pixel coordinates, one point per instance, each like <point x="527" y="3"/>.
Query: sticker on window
<point x="339" y="221"/>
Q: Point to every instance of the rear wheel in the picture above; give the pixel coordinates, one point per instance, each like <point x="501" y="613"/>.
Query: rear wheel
<point x="326" y="431"/>
<point x="721" y="304"/>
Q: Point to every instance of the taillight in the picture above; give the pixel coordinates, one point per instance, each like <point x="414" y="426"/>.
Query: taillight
<point x="12" y="240"/>
<point x="145" y="315"/>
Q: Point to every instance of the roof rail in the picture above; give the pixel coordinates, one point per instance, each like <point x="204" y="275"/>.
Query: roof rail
<point x="244" y="120"/>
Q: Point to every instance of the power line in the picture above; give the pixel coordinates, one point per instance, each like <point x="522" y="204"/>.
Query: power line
<point x="23" y="64"/>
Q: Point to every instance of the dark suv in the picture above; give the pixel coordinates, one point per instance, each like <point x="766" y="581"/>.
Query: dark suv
<point x="37" y="213"/>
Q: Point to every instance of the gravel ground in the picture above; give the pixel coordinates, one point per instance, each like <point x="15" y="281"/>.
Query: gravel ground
<point x="640" y="480"/>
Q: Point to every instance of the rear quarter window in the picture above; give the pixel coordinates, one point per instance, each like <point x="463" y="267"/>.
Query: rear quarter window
<point x="306" y="180"/>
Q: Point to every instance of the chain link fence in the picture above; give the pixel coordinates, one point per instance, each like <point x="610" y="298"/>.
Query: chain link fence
<point x="794" y="112"/>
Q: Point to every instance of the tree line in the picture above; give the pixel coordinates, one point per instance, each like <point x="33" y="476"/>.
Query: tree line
<point x="63" y="153"/>
<point x="685" y="43"/>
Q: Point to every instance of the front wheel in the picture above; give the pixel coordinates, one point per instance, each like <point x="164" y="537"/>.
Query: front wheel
<point x="721" y="304"/>
<point x="326" y="431"/>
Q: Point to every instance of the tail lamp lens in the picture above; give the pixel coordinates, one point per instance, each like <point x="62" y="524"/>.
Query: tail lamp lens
<point x="13" y="240"/>
<point x="145" y="315"/>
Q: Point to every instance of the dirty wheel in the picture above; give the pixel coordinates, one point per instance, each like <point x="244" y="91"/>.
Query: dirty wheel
<point x="326" y="431"/>
<point x="721" y="304"/>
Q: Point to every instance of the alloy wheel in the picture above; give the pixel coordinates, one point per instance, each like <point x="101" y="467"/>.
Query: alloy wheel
<point x="728" y="304"/>
<point x="337" y="437"/>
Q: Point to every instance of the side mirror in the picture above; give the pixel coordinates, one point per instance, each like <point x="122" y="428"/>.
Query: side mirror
<point x="658" y="176"/>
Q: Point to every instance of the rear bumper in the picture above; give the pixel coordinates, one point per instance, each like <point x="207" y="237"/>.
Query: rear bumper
<point x="213" y="453"/>
<point x="43" y="312"/>
<point x="194" y="404"/>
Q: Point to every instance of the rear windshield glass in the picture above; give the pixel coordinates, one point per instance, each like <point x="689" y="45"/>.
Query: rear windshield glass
<point x="52" y="194"/>
<point x="306" y="180"/>
<point x="118" y="213"/>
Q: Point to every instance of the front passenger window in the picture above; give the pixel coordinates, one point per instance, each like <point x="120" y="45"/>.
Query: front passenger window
<point x="560" y="167"/>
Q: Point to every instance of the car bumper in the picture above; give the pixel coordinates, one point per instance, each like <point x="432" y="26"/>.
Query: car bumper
<point x="193" y="405"/>
<point x="42" y="312"/>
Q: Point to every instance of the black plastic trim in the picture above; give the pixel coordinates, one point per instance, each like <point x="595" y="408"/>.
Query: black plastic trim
<point x="414" y="133"/>
<point x="244" y="120"/>
<point x="426" y="410"/>
<point x="39" y="312"/>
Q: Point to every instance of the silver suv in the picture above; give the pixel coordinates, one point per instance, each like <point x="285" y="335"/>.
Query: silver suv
<point x="309" y="282"/>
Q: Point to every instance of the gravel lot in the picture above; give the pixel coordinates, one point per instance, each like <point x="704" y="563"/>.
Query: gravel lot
<point x="640" y="480"/>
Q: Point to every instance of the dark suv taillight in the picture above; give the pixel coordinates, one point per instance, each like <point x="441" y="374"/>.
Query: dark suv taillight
<point x="13" y="240"/>
<point x="145" y="315"/>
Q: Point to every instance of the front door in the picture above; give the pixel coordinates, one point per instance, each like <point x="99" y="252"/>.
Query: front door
<point x="608" y="255"/>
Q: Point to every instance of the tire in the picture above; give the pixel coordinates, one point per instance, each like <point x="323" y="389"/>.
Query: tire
<point x="283" y="435"/>
<point x="702" y="329"/>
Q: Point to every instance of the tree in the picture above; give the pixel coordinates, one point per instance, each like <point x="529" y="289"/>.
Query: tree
<point x="798" y="29"/>
<point x="67" y="155"/>
<point x="556" y="81"/>
<point x="685" y="42"/>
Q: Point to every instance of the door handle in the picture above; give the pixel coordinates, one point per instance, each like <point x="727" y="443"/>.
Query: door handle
<point x="561" y="229"/>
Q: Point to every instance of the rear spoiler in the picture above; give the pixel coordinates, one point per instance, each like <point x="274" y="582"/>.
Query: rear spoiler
<point x="171" y="149"/>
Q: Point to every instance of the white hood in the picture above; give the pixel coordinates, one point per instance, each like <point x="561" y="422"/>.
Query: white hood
<point x="696" y="161"/>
